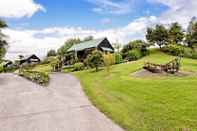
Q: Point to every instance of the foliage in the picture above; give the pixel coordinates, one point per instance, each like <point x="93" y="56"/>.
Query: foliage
<point x="108" y="60"/>
<point x="134" y="54"/>
<point x="68" y="44"/>
<point x="157" y="35"/>
<point x="175" y="33"/>
<point x="37" y="77"/>
<point x="118" y="58"/>
<point x="165" y="103"/>
<point x="191" y="36"/>
<point x="78" y="66"/>
<point x="95" y="59"/>
<point x="88" y="38"/>
<point x="51" y="53"/>
<point x="117" y="46"/>
<point x="136" y="44"/>
<point x="179" y="50"/>
<point x="3" y="43"/>
<point x="174" y="49"/>
<point x="1" y="68"/>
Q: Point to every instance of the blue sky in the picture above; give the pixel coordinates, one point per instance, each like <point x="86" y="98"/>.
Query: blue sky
<point x="36" y="26"/>
<point x="80" y="13"/>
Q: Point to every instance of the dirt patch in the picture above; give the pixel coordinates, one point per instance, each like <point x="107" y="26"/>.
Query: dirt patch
<point x="146" y="73"/>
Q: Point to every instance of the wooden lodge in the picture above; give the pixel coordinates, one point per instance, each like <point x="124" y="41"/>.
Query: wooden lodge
<point x="81" y="50"/>
<point x="32" y="59"/>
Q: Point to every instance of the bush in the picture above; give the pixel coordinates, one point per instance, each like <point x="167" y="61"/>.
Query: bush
<point x="95" y="59"/>
<point x="51" y="53"/>
<point x="174" y="49"/>
<point x="134" y="54"/>
<point x="118" y="58"/>
<point x="78" y="66"/>
<point x="1" y="69"/>
<point x="178" y="50"/>
<point x="108" y="60"/>
<point x="37" y="77"/>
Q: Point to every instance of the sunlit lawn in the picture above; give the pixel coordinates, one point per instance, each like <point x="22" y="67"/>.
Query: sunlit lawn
<point x="138" y="104"/>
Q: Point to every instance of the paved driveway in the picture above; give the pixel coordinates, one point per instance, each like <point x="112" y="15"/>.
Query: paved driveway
<point x="25" y="106"/>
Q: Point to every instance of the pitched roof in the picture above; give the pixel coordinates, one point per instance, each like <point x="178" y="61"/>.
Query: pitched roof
<point x="87" y="44"/>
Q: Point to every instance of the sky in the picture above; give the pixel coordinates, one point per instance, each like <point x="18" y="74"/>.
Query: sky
<point x="36" y="26"/>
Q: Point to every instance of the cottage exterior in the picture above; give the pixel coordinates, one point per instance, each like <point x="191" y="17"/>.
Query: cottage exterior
<point x="32" y="59"/>
<point x="83" y="49"/>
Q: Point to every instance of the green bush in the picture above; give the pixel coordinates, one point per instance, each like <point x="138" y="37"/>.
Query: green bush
<point x="174" y="49"/>
<point x="37" y="77"/>
<point x="94" y="60"/>
<point x="78" y="66"/>
<point x="1" y="69"/>
<point x="179" y="50"/>
<point x="118" y="58"/>
<point x="134" y="54"/>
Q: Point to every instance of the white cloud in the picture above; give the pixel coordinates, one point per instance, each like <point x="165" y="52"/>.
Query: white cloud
<point x="40" y="41"/>
<point x="111" y="7"/>
<point x="19" y="8"/>
<point x="179" y="11"/>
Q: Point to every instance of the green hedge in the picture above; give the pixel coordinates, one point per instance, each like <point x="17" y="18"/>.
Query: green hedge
<point x="37" y="77"/>
<point x="134" y="54"/>
<point x="179" y="50"/>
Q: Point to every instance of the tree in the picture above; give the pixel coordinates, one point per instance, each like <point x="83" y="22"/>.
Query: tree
<point x="157" y="35"/>
<point x="95" y="59"/>
<point x="88" y="38"/>
<point x="3" y="42"/>
<point x="68" y="44"/>
<point x="175" y="33"/>
<point x="51" y="53"/>
<point x="136" y="44"/>
<point x="117" y="46"/>
<point x="191" y="36"/>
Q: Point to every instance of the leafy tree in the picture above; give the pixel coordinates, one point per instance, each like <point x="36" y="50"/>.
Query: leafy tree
<point x="95" y="59"/>
<point x="191" y="36"/>
<point x="157" y="35"/>
<point x="51" y="53"/>
<point x="3" y="43"/>
<point x="175" y="33"/>
<point x="68" y="44"/>
<point x="136" y="44"/>
<point x="88" y="38"/>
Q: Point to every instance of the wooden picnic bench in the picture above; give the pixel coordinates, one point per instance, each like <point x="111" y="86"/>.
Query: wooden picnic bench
<point x="170" y="67"/>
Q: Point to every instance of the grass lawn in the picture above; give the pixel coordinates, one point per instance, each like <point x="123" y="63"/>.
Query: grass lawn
<point x="164" y="103"/>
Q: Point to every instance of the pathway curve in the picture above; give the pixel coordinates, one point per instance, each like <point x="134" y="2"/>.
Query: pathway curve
<point x="25" y="106"/>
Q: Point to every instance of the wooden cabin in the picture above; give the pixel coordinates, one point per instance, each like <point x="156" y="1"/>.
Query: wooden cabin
<point x="81" y="50"/>
<point x="32" y="59"/>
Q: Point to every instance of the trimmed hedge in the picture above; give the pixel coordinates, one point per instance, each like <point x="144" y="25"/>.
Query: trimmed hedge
<point x="37" y="77"/>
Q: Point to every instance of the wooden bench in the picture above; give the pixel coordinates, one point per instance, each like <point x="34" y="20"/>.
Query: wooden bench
<point x="170" y="67"/>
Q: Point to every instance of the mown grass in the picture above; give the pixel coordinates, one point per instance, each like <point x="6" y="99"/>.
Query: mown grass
<point x="145" y="104"/>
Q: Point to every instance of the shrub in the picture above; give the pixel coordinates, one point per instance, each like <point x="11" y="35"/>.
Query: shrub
<point x="174" y="49"/>
<point x="95" y="59"/>
<point x="37" y="77"/>
<point x="51" y="53"/>
<point x="1" y="69"/>
<point x="134" y="54"/>
<point x="108" y="60"/>
<point x="118" y="58"/>
<point x="78" y="66"/>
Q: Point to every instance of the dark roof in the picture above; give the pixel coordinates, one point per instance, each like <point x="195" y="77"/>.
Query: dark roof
<point x="86" y="45"/>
